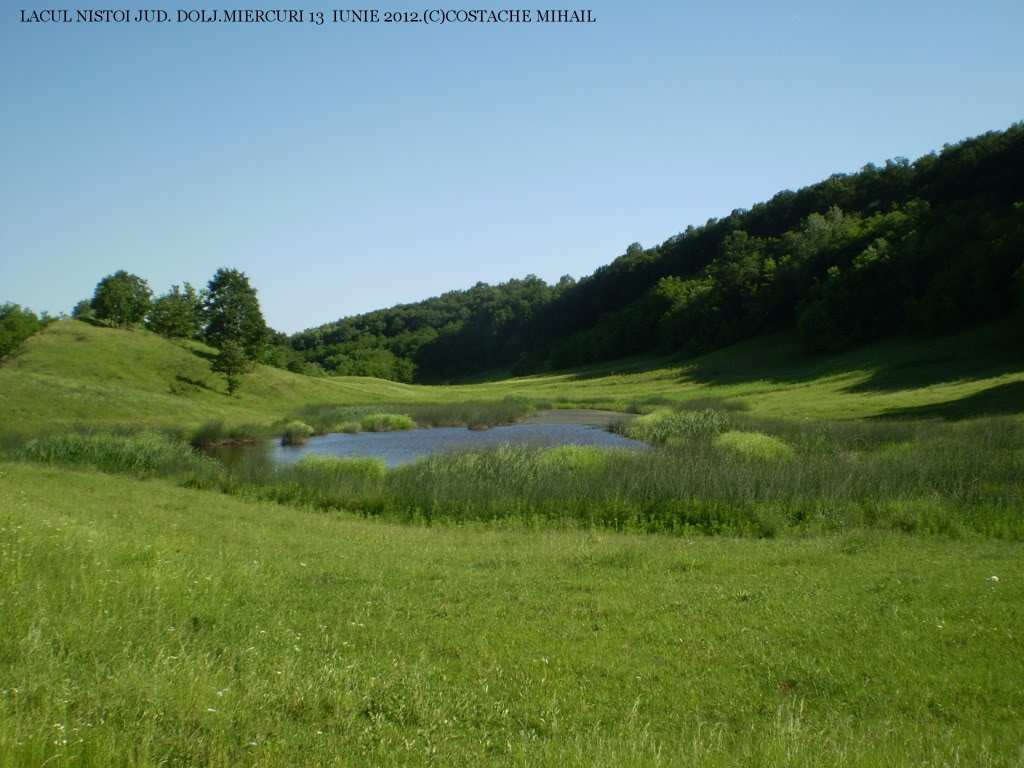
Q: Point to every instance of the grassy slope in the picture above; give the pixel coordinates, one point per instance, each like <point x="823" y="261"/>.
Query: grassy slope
<point x="75" y="372"/>
<point x="145" y="624"/>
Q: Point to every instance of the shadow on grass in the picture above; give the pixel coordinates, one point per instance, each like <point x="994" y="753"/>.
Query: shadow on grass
<point x="203" y="353"/>
<point x="1000" y="400"/>
<point x="196" y="383"/>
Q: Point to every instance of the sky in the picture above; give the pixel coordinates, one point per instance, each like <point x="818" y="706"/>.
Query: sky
<point x="351" y="167"/>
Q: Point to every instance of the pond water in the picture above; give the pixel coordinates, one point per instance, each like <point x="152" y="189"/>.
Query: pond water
<point x="405" y="446"/>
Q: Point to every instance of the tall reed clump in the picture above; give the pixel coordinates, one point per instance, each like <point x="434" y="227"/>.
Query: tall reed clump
<point x="754" y="445"/>
<point x="386" y="422"/>
<point x="473" y="414"/>
<point x="664" y="426"/>
<point x="147" y="453"/>
<point x="296" y="433"/>
<point x="215" y="433"/>
<point x="334" y="418"/>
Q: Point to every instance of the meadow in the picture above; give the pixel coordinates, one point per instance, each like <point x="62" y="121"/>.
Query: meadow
<point x="146" y="624"/>
<point x="800" y="570"/>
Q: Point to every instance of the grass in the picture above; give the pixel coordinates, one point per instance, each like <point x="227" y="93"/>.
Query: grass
<point x="73" y="372"/>
<point x="748" y="477"/>
<point x="296" y="433"/>
<point x="146" y="624"/>
<point x="386" y="422"/>
<point x="826" y="595"/>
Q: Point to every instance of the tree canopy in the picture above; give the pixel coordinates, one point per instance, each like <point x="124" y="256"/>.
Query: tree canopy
<point x="121" y="299"/>
<point x="233" y="313"/>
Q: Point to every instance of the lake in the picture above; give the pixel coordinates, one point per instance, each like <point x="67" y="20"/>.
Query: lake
<point x="405" y="446"/>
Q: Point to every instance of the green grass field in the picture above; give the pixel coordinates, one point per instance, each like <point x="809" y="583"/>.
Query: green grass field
<point x="151" y="625"/>
<point x="827" y="571"/>
<point x="73" y="372"/>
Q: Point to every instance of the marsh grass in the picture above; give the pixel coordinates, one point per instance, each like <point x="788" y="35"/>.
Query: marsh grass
<point x="754" y="445"/>
<point x="386" y="422"/>
<point x="762" y="477"/>
<point x="146" y="453"/>
<point x="296" y="433"/>
<point x="473" y="414"/>
<point x="216" y="433"/>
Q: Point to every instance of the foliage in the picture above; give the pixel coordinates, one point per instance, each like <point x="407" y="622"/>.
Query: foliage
<point x="122" y="299"/>
<point x="177" y="314"/>
<point x="926" y="247"/>
<point x="233" y="313"/>
<point x="16" y="325"/>
<point x="83" y="310"/>
<point x="233" y="362"/>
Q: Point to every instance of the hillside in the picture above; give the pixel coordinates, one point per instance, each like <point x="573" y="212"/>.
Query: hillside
<point x="923" y="247"/>
<point x="75" y="372"/>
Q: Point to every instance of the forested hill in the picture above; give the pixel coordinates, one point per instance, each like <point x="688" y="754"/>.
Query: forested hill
<point x="922" y="247"/>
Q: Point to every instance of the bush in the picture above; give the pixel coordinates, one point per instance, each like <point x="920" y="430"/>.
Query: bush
<point x="386" y="422"/>
<point x="754" y="445"/>
<point x="296" y="433"/>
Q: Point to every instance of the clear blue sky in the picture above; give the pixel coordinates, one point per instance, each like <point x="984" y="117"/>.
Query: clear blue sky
<point x="347" y="168"/>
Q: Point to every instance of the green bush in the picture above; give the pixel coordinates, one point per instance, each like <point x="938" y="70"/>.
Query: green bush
<point x="349" y="427"/>
<point x="386" y="422"/>
<point x="754" y="445"/>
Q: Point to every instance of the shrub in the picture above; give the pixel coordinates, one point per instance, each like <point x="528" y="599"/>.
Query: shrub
<point x="754" y="445"/>
<point x="386" y="422"/>
<point x="296" y="433"/>
<point x="349" y="427"/>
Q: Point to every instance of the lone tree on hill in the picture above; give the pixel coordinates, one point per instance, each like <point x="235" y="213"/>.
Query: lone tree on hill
<point x="121" y="299"/>
<point x="233" y="313"/>
<point x="233" y="363"/>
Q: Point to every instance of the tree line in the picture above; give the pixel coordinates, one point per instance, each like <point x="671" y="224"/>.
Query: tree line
<point x="921" y="247"/>
<point x="226" y="314"/>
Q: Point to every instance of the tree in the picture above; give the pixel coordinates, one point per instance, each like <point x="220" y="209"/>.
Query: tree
<point x="233" y="313"/>
<point x="233" y="363"/>
<point x="83" y="310"/>
<point x="16" y="325"/>
<point x="122" y="299"/>
<point x="177" y="314"/>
